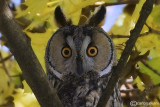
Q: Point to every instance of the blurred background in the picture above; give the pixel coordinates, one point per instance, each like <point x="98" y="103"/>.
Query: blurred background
<point x="141" y="76"/>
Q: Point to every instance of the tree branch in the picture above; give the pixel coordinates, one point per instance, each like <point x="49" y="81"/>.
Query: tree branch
<point x="151" y="30"/>
<point x="149" y="67"/>
<point x="123" y="2"/>
<point x="117" y="3"/>
<point x="6" y="58"/>
<point x="21" y="48"/>
<point x="4" y="66"/>
<point x="117" y="71"/>
<point x="143" y="95"/>
<point x="129" y="90"/>
<point x="127" y="36"/>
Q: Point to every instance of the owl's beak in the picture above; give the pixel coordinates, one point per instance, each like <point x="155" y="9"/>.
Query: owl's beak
<point x="79" y="66"/>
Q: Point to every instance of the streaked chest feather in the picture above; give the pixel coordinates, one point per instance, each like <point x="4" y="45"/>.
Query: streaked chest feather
<point x="82" y="91"/>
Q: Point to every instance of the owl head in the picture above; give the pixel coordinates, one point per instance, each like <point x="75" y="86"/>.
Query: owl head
<point x="77" y="50"/>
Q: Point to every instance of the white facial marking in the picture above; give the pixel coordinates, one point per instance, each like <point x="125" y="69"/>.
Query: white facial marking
<point x="87" y="61"/>
<point x="70" y="42"/>
<point x="71" y="62"/>
<point x="55" y="72"/>
<point x="109" y="68"/>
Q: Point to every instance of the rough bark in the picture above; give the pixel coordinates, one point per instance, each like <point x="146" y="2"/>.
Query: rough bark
<point x="20" y="47"/>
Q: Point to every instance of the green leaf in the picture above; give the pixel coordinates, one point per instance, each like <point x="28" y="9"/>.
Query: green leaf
<point x="22" y="99"/>
<point x="149" y="42"/>
<point x="27" y="89"/>
<point x="6" y="87"/>
<point x="155" y="15"/>
<point x="39" y="43"/>
<point x="154" y="63"/>
<point x="139" y="83"/>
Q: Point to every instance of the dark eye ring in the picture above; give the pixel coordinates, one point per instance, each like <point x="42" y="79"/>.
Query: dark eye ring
<point x="66" y="52"/>
<point x="92" y="51"/>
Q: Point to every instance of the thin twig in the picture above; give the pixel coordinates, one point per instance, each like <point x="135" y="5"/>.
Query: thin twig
<point x="119" y="3"/>
<point x="119" y="36"/>
<point x="128" y="90"/>
<point x="151" y="30"/>
<point x="123" y="2"/>
<point x="18" y="75"/>
<point x="147" y="91"/>
<point x="152" y="69"/>
<point x="6" y="58"/>
<point x="127" y="36"/>
<point x="4" y="66"/>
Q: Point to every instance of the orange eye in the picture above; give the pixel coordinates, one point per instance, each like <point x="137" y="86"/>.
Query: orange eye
<point x="66" y="52"/>
<point x="92" y="51"/>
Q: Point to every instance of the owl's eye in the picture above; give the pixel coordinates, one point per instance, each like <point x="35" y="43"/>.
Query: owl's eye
<point x="92" y="51"/>
<point x="66" y="52"/>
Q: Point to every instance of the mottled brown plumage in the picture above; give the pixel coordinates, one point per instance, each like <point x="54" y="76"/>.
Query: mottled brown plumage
<point x="79" y="60"/>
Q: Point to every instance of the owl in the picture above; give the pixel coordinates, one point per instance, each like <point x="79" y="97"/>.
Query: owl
<point x="79" y="60"/>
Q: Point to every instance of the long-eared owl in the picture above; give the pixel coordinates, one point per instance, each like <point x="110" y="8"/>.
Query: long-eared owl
<point x="79" y="60"/>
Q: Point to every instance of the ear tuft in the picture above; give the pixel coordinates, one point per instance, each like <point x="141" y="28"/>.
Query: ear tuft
<point x="60" y="17"/>
<point x="98" y="16"/>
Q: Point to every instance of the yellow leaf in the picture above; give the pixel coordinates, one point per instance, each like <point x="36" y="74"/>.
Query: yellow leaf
<point x="6" y="87"/>
<point x="148" y="42"/>
<point x="22" y="99"/>
<point x="39" y="42"/>
<point x="34" y="7"/>
<point x="27" y="89"/>
<point x="139" y="84"/>
<point x="73" y="8"/>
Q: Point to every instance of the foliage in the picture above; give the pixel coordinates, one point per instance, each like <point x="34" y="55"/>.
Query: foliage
<point x="36" y="19"/>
